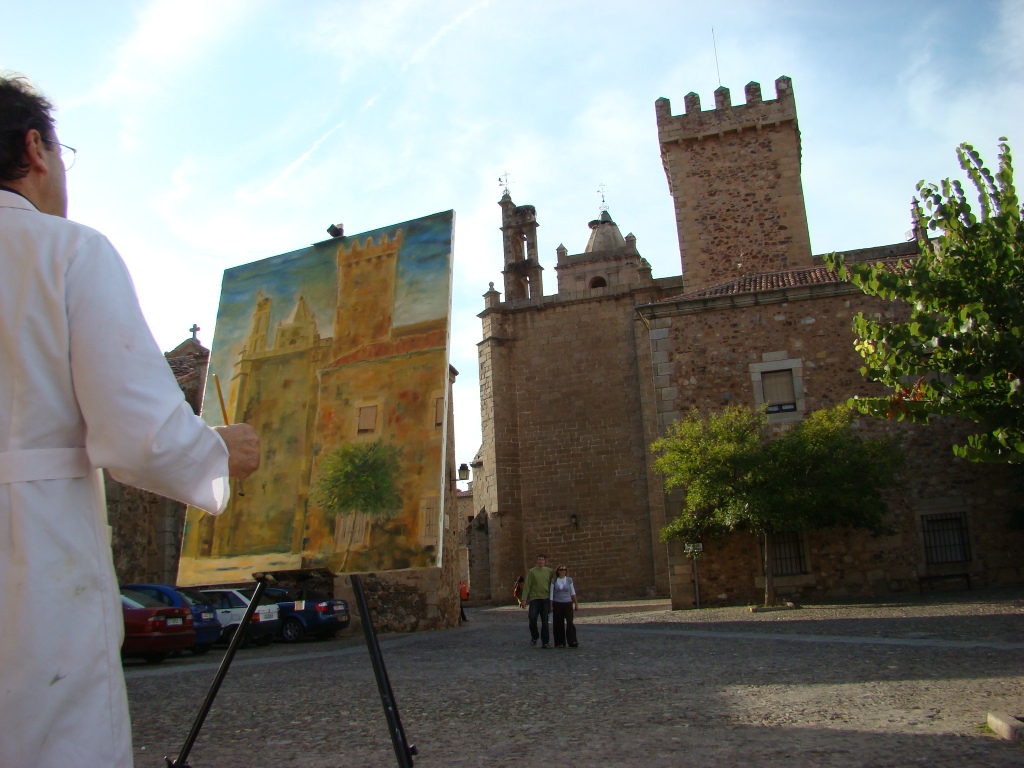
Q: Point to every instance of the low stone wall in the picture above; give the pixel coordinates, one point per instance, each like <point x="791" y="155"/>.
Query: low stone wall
<point x="404" y="601"/>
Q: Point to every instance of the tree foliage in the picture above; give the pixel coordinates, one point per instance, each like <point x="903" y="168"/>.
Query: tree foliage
<point x="817" y="474"/>
<point x="360" y="478"/>
<point x="960" y="351"/>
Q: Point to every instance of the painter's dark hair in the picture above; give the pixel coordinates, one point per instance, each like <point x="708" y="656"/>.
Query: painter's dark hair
<point x="22" y="108"/>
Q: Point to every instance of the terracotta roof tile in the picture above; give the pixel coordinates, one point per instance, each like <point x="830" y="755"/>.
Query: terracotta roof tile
<point x="774" y="281"/>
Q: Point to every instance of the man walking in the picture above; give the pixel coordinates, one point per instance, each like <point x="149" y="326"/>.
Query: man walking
<point x="83" y="385"/>
<point x="536" y="595"/>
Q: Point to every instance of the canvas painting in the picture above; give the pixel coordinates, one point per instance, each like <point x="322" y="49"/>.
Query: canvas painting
<point x="337" y="354"/>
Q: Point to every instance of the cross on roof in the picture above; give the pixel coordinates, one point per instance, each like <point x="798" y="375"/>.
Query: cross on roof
<point x="195" y="330"/>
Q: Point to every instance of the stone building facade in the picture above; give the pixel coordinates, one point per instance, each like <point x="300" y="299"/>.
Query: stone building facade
<point x="576" y="385"/>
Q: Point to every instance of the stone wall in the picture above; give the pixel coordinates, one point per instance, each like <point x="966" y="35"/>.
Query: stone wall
<point x="708" y="353"/>
<point x="145" y="531"/>
<point x="734" y="173"/>
<point x="563" y="430"/>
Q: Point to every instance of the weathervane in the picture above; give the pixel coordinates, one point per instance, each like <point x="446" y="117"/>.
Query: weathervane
<point x="503" y="181"/>
<point x="600" y="191"/>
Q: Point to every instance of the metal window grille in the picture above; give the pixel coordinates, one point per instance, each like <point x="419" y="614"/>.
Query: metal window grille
<point x="945" y="538"/>
<point x="788" y="556"/>
<point x="777" y="391"/>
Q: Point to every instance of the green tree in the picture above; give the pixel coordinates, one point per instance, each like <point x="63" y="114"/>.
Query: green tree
<point x="359" y="478"/>
<point x="816" y="474"/>
<point x="960" y="351"/>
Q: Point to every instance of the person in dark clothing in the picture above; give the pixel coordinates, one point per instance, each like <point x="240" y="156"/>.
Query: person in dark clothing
<point x="563" y="602"/>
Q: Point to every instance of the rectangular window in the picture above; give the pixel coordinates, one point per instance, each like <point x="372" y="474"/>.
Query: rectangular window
<point x="789" y="557"/>
<point x="352" y="529"/>
<point x="429" y="519"/>
<point x="367" y="418"/>
<point x="778" y="392"/>
<point x="439" y="412"/>
<point x="945" y="538"/>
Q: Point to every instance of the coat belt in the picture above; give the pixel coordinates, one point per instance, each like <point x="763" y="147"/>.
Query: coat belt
<point x="43" y="464"/>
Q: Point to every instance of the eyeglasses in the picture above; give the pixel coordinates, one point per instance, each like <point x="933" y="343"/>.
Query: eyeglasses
<point x="67" y="154"/>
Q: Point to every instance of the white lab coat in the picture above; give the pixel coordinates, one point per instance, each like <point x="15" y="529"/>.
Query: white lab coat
<point x="78" y="369"/>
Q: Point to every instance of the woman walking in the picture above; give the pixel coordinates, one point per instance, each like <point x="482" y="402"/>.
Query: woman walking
<point x="563" y="602"/>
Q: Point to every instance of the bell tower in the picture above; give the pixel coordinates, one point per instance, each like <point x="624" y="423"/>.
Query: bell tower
<point x="519" y="236"/>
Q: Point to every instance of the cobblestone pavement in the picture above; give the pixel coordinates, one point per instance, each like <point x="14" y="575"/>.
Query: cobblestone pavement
<point x="901" y="683"/>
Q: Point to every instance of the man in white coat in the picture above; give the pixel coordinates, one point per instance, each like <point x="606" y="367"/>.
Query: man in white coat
<point x="83" y="385"/>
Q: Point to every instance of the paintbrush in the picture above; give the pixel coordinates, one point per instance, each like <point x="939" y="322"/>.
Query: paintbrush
<point x="224" y="415"/>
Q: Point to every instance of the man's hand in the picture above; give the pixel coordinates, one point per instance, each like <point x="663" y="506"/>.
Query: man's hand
<point x="243" y="449"/>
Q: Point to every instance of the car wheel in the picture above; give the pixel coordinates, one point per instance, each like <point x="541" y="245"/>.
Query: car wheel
<point x="229" y="633"/>
<point x="154" y="658"/>
<point x="292" y="630"/>
<point x="199" y="650"/>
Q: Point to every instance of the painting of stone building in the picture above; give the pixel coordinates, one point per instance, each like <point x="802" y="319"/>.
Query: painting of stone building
<point x="345" y="341"/>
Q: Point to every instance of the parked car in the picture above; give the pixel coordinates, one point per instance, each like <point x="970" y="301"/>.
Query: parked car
<point x="204" y="619"/>
<point x="151" y="629"/>
<point x="308" y="614"/>
<point x="230" y="605"/>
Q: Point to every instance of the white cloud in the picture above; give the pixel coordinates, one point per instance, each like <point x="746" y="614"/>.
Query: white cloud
<point x="169" y="36"/>
<point x="445" y="29"/>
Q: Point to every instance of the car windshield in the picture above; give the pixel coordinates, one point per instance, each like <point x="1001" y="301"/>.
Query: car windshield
<point x="140" y="600"/>
<point x="248" y="592"/>
<point x="194" y="597"/>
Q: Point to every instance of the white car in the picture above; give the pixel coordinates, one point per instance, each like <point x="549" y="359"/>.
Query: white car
<point x="230" y="605"/>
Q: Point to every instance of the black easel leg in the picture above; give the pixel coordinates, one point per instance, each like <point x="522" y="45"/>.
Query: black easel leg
<point x="236" y="640"/>
<point x="404" y="751"/>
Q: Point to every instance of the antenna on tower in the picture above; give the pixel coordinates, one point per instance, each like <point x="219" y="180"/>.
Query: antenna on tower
<point x="503" y="181"/>
<point x="600" y="191"/>
<point x="715" y="45"/>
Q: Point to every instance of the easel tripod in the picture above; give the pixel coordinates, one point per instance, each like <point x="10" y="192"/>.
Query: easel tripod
<point x="404" y="751"/>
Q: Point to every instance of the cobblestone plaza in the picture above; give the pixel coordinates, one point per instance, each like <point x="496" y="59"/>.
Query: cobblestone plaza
<point x="904" y="682"/>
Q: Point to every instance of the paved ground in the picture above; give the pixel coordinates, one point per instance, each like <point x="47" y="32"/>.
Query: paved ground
<point x="901" y="683"/>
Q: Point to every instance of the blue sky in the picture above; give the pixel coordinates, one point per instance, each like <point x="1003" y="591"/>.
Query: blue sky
<point x="212" y="134"/>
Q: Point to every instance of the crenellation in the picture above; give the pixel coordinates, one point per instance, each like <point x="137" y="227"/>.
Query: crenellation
<point x="723" y="99"/>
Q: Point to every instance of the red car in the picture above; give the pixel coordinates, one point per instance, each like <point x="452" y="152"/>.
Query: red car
<point x="152" y="629"/>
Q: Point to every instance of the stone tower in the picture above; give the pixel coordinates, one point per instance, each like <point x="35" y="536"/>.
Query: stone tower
<point x="734" y="173"/>
<point x="519" y="236"/>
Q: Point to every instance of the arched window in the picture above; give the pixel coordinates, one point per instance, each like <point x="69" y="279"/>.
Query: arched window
<point x="598" y="282"/>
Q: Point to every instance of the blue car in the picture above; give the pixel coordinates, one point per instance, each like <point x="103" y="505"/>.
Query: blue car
<point x="306" y="614"/>
<point x="207" y="626"/>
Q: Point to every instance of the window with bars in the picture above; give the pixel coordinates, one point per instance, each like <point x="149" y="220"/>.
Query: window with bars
<point x="789" y="556"/>
<point x="778" y="392"/>
<point x="945" y="538"/>
<point x="367" y="418"/>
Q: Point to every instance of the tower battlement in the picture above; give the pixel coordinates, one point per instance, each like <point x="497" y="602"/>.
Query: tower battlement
<point x="734" y="173"/>
<point x="358" y="251"/>
<point x="755" y="114"/>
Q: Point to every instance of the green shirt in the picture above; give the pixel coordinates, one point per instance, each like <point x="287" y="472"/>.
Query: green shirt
<point x="538" y="584"/>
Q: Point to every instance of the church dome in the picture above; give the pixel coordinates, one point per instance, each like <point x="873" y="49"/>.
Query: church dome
<point x="604" y="235"/>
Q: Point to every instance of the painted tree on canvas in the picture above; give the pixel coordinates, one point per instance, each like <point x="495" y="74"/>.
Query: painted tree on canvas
<point x="360" y="478"/>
